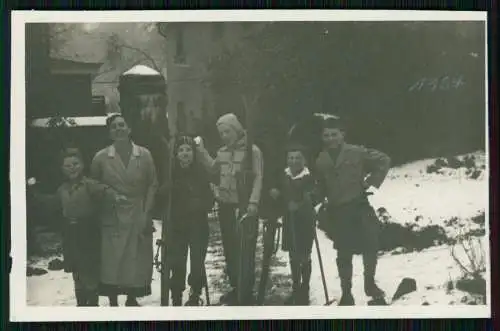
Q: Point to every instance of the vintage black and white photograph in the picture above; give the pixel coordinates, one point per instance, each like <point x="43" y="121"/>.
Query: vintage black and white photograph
<point x="307" y="166"/>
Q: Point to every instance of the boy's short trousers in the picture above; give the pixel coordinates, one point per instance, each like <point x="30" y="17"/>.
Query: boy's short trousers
<point x="353" y="226"/>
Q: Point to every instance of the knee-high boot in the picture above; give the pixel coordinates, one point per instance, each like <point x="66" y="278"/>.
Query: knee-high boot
<point x="176" y="298"/>
<point x="81" y="298"/>
<point x="344" y="266"/>
<point x="92" y="298"/>
<point x="131" y="301"/>
<point x="113" y="300"/>
<point x="370" y="265"/>
<point x="305" y="270"/>
<point x="306" y="274"/>
<point x="295" y="268"/>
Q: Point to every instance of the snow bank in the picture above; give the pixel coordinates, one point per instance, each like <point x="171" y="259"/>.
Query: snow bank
<point x="411" y="195"/>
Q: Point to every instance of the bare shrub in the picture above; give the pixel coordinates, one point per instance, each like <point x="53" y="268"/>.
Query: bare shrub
<point x="472" y="264"/>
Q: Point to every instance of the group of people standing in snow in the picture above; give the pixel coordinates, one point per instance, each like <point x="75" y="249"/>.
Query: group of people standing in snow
<point x="108" y="222"/>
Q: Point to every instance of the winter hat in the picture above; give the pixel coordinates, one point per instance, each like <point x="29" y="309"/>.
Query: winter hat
<point x="184" y="140"/>
<point x="232" y="121"/>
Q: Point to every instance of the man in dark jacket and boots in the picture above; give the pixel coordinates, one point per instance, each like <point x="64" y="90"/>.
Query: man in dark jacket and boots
<point x="345" y="173"/>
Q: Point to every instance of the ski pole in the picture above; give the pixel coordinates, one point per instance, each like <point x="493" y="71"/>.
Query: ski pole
<point x="165" y="263"/>
<point x="241" y="259"/>
<point x="320" y="260"/>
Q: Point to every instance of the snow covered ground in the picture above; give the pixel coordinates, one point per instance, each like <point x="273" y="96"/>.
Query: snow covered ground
<point x="410" y="195"/>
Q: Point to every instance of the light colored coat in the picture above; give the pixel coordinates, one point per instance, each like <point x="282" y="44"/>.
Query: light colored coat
<point x="127" y="248"/>
<point x="228" y="163"/>
<point x="355" y="169"/>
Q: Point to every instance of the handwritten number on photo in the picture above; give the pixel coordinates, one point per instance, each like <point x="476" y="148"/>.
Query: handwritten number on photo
<point x="433" y="84"/>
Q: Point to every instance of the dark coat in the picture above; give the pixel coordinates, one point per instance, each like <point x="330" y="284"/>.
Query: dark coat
<point x="298" y="225"/>
<point x="192" y="197"/>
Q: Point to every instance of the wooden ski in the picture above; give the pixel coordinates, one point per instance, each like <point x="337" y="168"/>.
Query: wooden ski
<point x="245" y="186"/>
<point x="165" y="265"/>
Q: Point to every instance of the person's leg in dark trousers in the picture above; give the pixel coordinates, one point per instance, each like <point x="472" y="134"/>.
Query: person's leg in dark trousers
<point x="305" y="272"/>
<point x="89" y="283"/>
<point x="230" y="244"/>
<point x="113" y="300"/>
<point x="344" y="266"/>
<point x="371" y="233"/>
<point x="131" y="301"/>
<point x="198" y="243"/>
<point x="370" y="266"/>
<point x="247" y="260"/>
<point x="93" y="298"/>
<point x="85" y="289"/>
<point x="296" y="283"/>
<point x="86" y="264"/>
<point x="80" y="294"/>
<point x="178" y="251"/>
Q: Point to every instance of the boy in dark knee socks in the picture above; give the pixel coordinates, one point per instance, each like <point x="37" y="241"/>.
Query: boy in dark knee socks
<point x="346" y="172"/>
<point x="296" y="196"/>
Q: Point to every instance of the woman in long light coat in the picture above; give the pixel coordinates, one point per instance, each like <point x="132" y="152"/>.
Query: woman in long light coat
<point x="127" y="231"/>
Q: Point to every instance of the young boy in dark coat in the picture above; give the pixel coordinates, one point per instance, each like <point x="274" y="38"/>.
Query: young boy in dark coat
<point x="79" y="200"/>
<point x="295" y="194"/>
<point x="345" y="173"/>
<point x="191" y="201"/>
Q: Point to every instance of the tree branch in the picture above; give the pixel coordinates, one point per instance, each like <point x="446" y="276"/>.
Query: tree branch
<point x="457" y="261"/>
<point x="160" y="31"/>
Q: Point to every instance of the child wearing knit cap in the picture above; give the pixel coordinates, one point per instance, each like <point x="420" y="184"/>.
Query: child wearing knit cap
<point x="191" y="201"/>
<point x="228" y="165"/>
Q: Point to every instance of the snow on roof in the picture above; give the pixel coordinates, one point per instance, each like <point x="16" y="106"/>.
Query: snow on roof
<point x="79" y="121"/>
<point x="142" y="70"/>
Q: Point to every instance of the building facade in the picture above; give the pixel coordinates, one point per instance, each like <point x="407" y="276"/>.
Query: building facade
<point x="190" y="46"/>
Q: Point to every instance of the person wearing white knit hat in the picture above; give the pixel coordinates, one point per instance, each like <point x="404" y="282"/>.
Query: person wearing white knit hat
<point x="228" y="164"/>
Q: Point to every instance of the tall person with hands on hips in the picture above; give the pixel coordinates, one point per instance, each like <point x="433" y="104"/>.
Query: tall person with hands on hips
<point x="345" y="174"/>
<point x="228" y="164"/>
